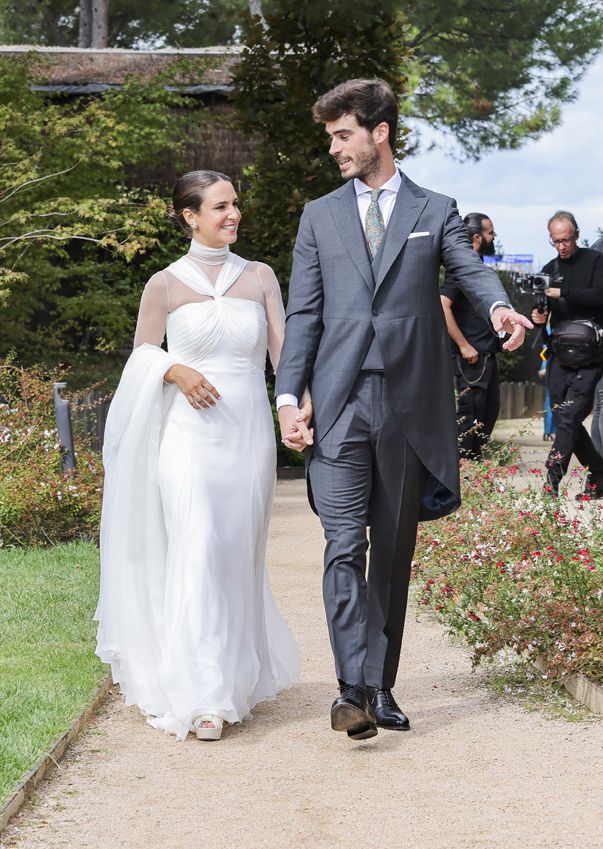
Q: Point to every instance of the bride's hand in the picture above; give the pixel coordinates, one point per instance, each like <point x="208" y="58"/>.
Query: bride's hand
<point x="306" y="411"/>
<point x="198" y="390"/>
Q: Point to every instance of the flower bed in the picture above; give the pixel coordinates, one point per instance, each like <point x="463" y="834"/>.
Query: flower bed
<point x="39" y="505"/>
<point x="515" y="568"/>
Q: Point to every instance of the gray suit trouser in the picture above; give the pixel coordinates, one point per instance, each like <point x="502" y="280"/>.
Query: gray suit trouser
<point x="364" y="467"/>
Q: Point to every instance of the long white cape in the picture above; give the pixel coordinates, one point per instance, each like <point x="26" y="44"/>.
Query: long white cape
<point x="133" y="540"/>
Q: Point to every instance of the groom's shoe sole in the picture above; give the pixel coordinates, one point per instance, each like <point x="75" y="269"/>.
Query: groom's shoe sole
<point x="347" y="717"/>
<point x="363" y="732"/>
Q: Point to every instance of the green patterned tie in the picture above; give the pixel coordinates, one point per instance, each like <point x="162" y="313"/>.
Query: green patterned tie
<point x="375" y="227"/>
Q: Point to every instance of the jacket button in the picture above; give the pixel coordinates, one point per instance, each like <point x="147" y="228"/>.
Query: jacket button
<point x="375" y="312"/>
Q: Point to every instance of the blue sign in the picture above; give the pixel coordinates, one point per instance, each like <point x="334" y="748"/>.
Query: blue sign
<point x="519" y="259"/>
<point x="509" y="259"/>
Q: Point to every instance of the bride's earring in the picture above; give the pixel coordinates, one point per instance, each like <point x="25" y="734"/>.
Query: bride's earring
<point x="195" y="225"/>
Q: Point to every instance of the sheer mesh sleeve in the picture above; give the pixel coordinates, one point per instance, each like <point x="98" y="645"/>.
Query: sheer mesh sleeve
<point x="275" y="312"/>
<point x="152" y="315"/>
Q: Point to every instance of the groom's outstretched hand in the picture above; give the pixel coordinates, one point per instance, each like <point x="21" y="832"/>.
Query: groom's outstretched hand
<point x="513" y="323"/>
<point x="295" y="431"/>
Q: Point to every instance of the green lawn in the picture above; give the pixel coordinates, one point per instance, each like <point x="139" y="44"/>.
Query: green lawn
<point x="48" y="669"/>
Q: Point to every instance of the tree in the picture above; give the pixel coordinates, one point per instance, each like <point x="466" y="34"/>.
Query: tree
<point x="74" y="231"/>
<point x="495" y="75"/>
<point x="303" y="51"/>
<point x="130" y="23"/>
<point x="492" y="75"/>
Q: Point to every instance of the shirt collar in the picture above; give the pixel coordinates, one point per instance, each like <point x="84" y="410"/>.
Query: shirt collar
<point x="392" y="185"/>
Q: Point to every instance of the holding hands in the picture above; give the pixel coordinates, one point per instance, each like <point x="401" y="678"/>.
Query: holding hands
<point x="295" y="431"/>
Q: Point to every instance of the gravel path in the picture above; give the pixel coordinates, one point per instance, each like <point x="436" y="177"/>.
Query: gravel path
<point x="474" y="771"/>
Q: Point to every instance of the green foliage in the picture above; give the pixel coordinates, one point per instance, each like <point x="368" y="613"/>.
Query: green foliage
<point x="305" y="50"/>
<point x="179" y="23"/>
<point x="76" y="232"/>
<point x="38" y="503"/>
<point x="495" y="75"/>
<point x="516" y="569"/>
<point x="48" y="670"/>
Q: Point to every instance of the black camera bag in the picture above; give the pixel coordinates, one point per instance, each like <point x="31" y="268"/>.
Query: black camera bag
<point x="577" y="343"/>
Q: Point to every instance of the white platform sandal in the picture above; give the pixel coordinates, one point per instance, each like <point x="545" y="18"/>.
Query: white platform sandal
<point x="212" y="730"/>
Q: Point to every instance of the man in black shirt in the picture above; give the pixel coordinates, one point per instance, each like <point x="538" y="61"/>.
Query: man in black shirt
<point x="578" y="296"/>
<point x="474" y="349"/>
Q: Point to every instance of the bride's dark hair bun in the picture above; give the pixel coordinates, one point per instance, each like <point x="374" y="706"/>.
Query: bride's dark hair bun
<point x="189" y="193"/>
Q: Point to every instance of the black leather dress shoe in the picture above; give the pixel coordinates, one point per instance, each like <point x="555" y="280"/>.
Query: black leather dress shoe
<point x="352" y="712"/>
<point x="387" y="713"/>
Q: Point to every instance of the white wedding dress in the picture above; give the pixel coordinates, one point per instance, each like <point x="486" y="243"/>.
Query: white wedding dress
<point x="186" y="616"/>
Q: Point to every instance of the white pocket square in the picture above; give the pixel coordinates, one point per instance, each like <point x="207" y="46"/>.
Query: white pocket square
<point x="417" y="234"/>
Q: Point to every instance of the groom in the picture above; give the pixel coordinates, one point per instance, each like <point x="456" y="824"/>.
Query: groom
<point x="365" y="330"/>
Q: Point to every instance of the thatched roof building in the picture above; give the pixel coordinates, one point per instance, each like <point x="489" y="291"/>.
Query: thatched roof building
<point x="76" y="72"/>
<point x="75" y="66"/>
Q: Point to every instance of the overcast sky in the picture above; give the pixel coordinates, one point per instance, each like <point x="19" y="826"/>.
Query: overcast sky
<point x="521" y="189"/>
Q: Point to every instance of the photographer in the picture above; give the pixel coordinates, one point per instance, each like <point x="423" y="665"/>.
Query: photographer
<point x="575" y="304"/>
<point x="474" y="349"/>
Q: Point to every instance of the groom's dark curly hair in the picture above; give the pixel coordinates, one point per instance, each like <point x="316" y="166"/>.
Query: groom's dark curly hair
<point x="371" y="102"/>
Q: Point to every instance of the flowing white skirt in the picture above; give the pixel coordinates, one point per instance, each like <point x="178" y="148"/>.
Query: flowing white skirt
<point x="208" y="637"/>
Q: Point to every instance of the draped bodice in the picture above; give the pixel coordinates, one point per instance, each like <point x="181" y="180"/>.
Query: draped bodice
<point x="229" y="313"/>
<point x="229" y="328"/>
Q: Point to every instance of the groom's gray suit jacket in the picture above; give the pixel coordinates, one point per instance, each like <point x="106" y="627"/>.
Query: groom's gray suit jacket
<point x="339" y="301"/>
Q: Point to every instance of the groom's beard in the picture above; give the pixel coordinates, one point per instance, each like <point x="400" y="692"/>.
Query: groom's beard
<point x="364" y="165"/>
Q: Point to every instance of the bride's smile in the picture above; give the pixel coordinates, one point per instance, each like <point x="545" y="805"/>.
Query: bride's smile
<point x="216" y="222"/>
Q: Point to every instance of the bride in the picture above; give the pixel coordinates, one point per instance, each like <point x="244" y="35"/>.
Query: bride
<point x="186" y="616"/>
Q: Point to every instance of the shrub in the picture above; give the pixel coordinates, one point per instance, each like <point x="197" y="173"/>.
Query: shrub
<point x="516" y="569"/>
<point x="39" y="505"/>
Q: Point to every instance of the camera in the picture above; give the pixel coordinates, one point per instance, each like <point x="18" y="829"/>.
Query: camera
<point x="535" y="285"/>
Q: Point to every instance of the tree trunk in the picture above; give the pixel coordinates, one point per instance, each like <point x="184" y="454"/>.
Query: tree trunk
<point x="85" y="34"/>
<point x="100" y="23"/>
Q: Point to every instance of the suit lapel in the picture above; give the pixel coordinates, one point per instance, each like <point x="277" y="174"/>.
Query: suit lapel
<point x="344" y="207"/>
<point x="410" y="202"/>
